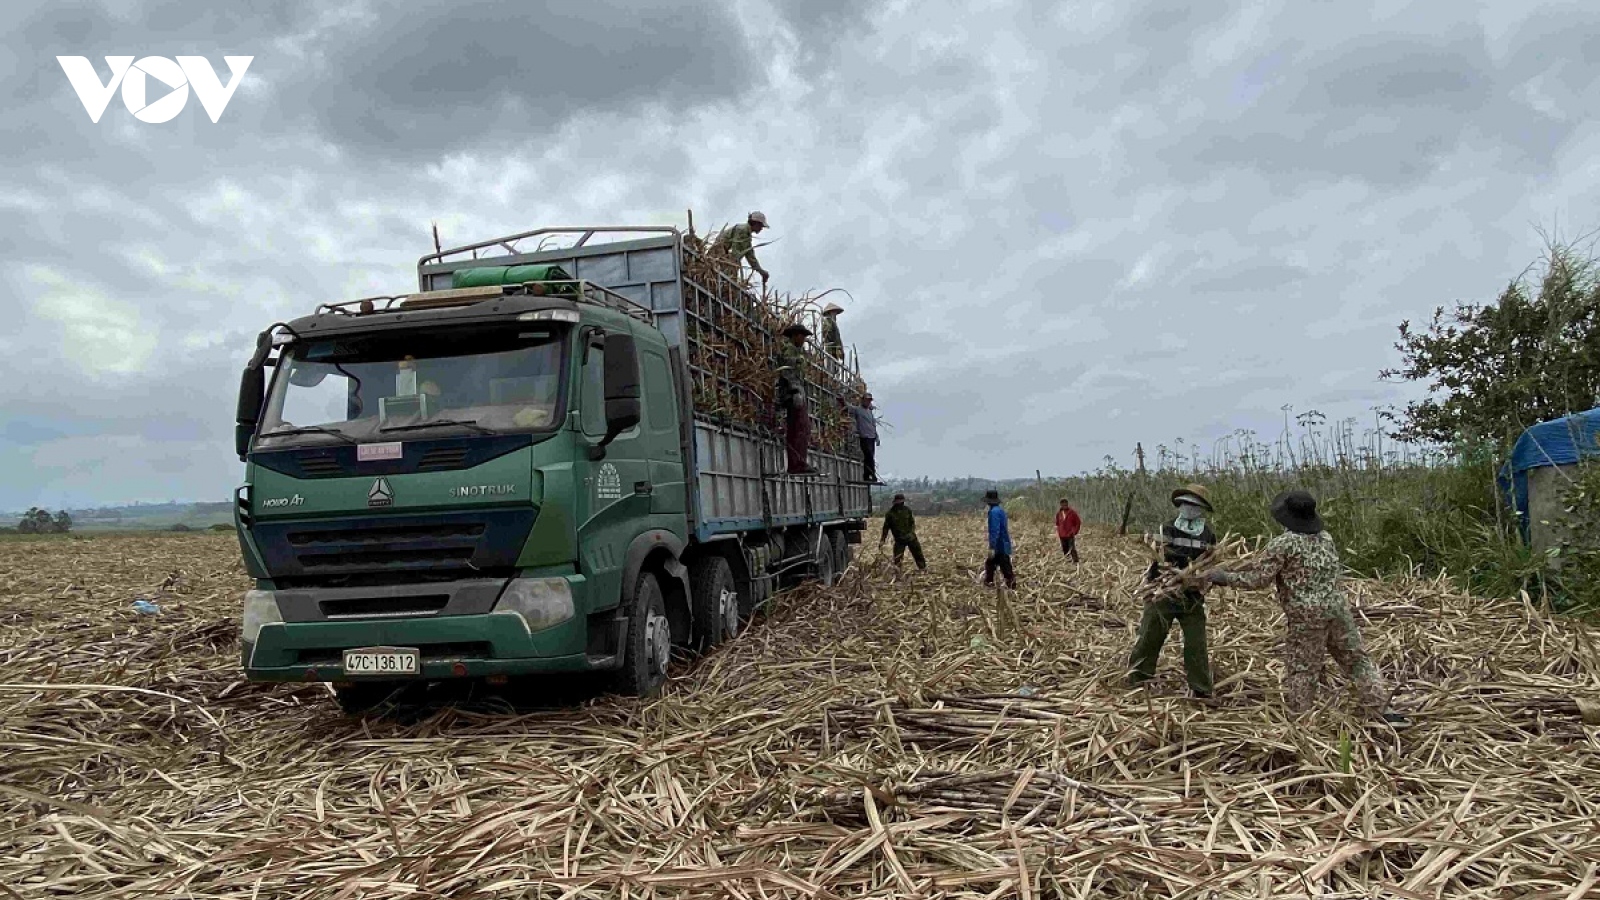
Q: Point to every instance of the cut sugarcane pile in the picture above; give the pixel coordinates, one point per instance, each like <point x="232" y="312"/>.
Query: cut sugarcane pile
<point x="898" y="735"/>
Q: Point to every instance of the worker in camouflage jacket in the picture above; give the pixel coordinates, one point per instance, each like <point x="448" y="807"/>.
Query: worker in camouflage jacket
<point x="792" y="398"/>
<point x="1183" y="541"/>
<point x="1303" y="564"/>
<point x="736" y="243"/>
<point x="899" y="522"/>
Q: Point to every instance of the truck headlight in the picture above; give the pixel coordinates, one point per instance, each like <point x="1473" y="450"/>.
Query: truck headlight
<point x="260" y="608"/>
<point x="540" y="602"/>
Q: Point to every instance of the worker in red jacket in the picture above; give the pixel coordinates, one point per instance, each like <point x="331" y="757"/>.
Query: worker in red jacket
<point x="1068" y="524"/>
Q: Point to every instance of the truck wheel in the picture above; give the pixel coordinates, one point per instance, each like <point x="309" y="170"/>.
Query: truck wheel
<point x="363" y="696"/>
<point x="647" y="647"/>
<point x="841" y="552"/>
<point x="716" y="602"/>
<point x="826" y="568"/>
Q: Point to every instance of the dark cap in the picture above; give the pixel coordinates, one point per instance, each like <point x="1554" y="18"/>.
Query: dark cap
<point x="991" y="496"/>
<point x="899" y="497"/>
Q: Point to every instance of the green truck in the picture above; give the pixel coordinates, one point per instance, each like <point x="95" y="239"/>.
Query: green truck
<point x="505" y="473"/>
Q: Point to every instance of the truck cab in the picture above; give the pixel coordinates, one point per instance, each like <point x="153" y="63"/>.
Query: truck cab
<point x="422" y="483"/>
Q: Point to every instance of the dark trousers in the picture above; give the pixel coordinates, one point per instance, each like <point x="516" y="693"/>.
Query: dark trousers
<point x="915" y="546"/>
<point x="1189" y="611"/>
<point x="1001" y="561"/>
<point x="797" y="434"/>
<point x="869" y="458"/>
<point x="1069" y="547"/>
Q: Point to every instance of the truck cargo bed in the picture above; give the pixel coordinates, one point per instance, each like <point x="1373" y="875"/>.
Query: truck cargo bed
<point x="735" y="467"/>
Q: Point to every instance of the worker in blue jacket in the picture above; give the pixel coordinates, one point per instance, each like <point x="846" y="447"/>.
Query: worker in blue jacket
<point x="999" y="543"/>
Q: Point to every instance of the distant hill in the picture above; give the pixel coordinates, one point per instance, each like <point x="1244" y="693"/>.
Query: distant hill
<point x="143" y="516"/>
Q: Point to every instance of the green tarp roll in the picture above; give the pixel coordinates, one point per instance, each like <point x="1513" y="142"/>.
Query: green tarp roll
<point x="486" y="275"/>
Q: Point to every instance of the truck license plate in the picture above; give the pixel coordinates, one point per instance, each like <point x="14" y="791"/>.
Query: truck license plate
<point x="382" y="661"/>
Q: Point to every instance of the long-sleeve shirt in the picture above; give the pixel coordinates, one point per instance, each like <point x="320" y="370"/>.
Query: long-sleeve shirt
<point x="792" y="364"/>
<point x="737" y="243"/>
<point x="832" y="342"/>
<point x="866" y="422"/>
<point x="999" y="531"/>
<point x="1304" y="568"/>
<point x="899" y="522"/>
<point x="1068" y="522"/>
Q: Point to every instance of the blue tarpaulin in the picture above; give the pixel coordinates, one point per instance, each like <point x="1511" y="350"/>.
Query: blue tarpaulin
<point x="1555" y="443"/>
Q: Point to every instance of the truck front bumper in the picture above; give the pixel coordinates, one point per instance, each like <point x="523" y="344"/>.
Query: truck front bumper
<point x="451" y="647"/>
<point x="471" y="636"/>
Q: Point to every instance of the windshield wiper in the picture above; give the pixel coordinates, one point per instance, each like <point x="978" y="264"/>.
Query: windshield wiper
<point x="465" y="423"/>
<point x="309" y="429"/>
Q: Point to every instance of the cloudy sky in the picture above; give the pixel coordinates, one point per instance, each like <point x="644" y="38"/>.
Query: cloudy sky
<point x="1066" y="227"/>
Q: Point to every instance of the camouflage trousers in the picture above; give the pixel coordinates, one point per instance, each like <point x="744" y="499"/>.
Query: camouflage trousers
<point x="1316" y="632"/>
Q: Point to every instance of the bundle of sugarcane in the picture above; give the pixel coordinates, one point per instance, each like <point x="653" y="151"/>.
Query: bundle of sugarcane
<point x="1169" y="580"/>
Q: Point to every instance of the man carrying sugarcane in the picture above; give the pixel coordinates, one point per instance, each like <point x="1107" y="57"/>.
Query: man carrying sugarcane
<point x="832" y="343"/>
<point x="792" y="398"/>
<point x="899" y="522"/>
<point x="736" y="243"/>
<point x="1183" y="540"/>
<point x="1303" y="564"/>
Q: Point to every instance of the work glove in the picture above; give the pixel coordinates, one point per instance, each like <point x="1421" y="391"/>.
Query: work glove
<point x="764" y="275"/>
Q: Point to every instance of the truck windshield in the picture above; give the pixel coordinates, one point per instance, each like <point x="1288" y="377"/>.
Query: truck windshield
<point x="382" y="386"/>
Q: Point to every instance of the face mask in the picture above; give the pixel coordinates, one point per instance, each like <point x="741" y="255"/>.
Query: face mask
<point x="1191" y="520"/>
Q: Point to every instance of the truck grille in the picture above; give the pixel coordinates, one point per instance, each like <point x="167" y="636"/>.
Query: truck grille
<point x="437" y="458"/>
<point x="319" y="463"/>
<point x="331" y="551"/>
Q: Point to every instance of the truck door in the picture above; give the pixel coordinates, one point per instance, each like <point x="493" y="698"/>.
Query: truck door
<point x="664" y="442"/>
<point x="615" y="504"/>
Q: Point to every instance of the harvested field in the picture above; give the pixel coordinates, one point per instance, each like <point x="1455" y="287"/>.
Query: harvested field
<point x="918" y="736"/>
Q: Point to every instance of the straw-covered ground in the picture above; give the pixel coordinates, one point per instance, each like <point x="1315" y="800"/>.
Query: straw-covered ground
<point x="910" y="737"/>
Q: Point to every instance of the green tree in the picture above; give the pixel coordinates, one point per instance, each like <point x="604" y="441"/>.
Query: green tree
<point x="35" y="521"/>
<point x="1494" y="369"/>
<point x="63" y="522"/>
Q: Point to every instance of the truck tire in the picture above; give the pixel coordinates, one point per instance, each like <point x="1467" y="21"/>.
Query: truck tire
<point x="841" y="552"/>
<point x="647" y="646"/>
<point x="364" y="696"/>
<point x="826" y="564"/>
<point x="716" y="602"/>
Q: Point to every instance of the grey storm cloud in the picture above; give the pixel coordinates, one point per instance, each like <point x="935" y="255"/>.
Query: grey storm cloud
<point x="1064" y="228"/>
<point x="451" y="75"/>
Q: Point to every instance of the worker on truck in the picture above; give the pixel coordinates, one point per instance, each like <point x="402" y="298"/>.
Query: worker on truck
<point x="792" y="398"/>
<point x="866" y="422"/>
<point x="736" y="243"/>
<point x="832" y="342"/>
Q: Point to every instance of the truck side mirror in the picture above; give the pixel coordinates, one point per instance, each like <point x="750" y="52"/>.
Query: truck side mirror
<point x="252" y="386"/>
<point x="252" y="393"/>
<point x="621" y="390"/>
